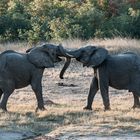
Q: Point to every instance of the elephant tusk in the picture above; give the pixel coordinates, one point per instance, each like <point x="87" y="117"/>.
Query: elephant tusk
<point x="69" y="55"/>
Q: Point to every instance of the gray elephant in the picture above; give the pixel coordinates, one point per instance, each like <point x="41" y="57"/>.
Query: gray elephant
<point x="18" y="70"/>
<point x="121" y="71"/>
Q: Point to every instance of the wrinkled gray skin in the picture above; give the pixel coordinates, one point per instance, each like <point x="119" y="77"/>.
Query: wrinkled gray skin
<point x="18" y="70"/>
<point x="120" y="71"/>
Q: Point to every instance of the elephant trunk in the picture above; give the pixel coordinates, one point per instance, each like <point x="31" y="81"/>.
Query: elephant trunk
<point x="63" y="52"/>
<point x="68" y="55"/>
<point x="66" y="65"/>
<point x="74" y="53"/>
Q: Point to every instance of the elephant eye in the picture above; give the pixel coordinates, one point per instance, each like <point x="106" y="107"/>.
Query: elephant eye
<point x="81" y="54"/>
<point x="53" y="53"/>
<point x="93" y="52"/>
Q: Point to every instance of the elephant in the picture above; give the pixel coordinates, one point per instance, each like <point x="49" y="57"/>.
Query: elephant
<point x="18" y="70"/>
<point x="120" y="71"/>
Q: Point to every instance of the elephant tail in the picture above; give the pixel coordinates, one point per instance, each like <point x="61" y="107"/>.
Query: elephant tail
<point x="3" y="62"/>
<point x="3" y="59"/>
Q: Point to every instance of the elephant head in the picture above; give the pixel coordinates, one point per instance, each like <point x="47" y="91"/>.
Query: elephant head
<point x="90" y="56"/>
<point x="46" y="55"/>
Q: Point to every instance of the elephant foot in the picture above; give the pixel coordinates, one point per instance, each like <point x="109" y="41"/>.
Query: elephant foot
<point x="107" y="108"/>
<point x="87" y="108"/>
<point x="40" y="108"/>
<point x="3" y="108"/>
<point x="136" y="106"/>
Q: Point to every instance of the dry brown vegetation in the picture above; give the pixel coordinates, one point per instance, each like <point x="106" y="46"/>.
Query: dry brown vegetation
<point x="64" y="117"/>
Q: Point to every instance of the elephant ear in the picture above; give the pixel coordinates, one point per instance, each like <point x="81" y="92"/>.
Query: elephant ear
<point x="40" y="58"/>
<point x="97" y="57"/>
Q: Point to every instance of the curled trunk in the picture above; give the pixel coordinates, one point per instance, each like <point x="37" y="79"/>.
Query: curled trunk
<point x="68" y="55"/>
<point x="66" y="65"/>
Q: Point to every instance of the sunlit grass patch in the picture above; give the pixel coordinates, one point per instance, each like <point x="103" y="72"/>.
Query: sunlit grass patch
<point x="115" y="45"/>
<point x="18" y="46"/>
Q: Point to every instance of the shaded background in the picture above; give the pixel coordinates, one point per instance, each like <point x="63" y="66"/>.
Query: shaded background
<point x="45" y="20"/>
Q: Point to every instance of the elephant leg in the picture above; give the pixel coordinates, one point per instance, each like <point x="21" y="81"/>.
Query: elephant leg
<point x="104" y="85"/>
<point x="6" y="95"/>
<point x="105" y="95"/>
<point x="37" y="88"/>
<point x="136" y="101"/>
<point x="93" y="90"/>
<point x="1" y="92"/>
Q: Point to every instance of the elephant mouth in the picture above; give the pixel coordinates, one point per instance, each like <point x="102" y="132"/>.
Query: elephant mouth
<point x="85" y="65"/>
<point x="82" y="61"/>
<point x="58" y="59"/>
<point x="78" y="59"/>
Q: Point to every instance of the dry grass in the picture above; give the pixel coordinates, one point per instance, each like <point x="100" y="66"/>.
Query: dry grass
<point x="66" y="117"/>
<point x="116" y="45"/>
<point x="18" y="46"/>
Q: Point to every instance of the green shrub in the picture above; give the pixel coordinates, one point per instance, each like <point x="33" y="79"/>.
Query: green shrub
<point x="37" y="20"/>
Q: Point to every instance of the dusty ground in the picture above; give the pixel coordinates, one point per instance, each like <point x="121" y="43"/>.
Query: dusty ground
<point x="65" y="118"/>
